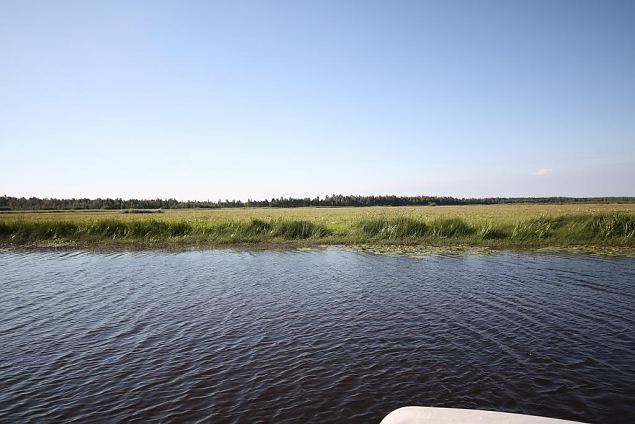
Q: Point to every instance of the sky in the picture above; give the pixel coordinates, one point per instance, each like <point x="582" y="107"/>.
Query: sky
<point x="208" y="100"/>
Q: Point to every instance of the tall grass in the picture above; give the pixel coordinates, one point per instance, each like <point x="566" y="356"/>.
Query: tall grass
<point x="256" y="227"/>
<point x="610" y="225"/>
<point x="451" y="227"/>
<point x="298" y="229"/>
<point x="405" y="227"/>
<point x="601" y="228"/>
<point x="51" y="230"/>
<point x="488" y="231"/>
<point x="392" y="228"/>
<point x="584" y="227"/>
<point x="535" y="229"/>
<point x="261" y="230"/>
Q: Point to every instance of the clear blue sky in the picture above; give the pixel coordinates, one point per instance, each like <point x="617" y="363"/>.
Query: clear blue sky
<point x="207" y="100"/>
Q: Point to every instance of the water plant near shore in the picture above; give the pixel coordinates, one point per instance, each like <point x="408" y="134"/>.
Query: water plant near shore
<point x="591" y="228"/>
<point x="395" y="228"/>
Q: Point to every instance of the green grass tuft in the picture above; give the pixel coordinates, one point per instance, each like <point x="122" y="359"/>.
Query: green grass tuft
<point x="256" y="227"/>
<point x="451" y="227"/>
<point x="603" y="229"/>
<point x="534" y="229"/>
<point x="609" y="226"/>
<point x="298" y="229"/>
<point x="490" y="232"/>
<point x="394" y="228"/>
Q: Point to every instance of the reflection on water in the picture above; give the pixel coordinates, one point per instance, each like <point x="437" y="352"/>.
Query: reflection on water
<point x="322" y="336"/>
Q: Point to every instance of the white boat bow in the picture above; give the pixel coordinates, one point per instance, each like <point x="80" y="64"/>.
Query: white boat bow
<point x="432" y="415"/>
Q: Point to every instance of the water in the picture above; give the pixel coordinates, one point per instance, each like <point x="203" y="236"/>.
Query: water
<point x="321" y="336"/>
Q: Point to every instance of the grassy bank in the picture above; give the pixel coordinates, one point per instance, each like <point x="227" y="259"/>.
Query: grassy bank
<point x="499" y="226"/>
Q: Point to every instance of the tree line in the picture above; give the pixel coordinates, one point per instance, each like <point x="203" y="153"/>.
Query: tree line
<point x="8" y="203"/>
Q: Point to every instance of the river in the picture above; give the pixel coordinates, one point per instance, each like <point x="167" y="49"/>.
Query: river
<point x="312" y="336"/>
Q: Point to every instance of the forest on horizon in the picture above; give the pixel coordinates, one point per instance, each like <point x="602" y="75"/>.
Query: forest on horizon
<point x="8" y="203"/>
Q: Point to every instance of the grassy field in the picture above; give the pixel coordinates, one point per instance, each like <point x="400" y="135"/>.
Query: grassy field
<point x="498" y="226"/>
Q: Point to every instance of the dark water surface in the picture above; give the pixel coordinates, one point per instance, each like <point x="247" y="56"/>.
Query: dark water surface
<point x="321" y="336"/>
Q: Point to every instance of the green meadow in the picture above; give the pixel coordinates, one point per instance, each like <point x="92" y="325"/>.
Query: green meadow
<point x="495" y="226"/>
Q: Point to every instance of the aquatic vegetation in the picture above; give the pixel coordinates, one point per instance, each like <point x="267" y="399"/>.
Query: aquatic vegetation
<point x="534" y="229"/>
<point x="451" y="227"/>
<point x="608" y="226"/>
<point x="490" y="232"/>
<point x="256" y="227"/>
<point x="105" y="228"/>
<point x="613" y="228"/>
<point x="31" y="231"/>
<point x="392" y="228"/>
<point x="34" y="231"/>
<point x="404" y="227"/>
<point x="298" y="229"/>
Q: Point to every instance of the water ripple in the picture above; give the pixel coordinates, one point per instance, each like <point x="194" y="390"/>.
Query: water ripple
<point x="312" y="336"/>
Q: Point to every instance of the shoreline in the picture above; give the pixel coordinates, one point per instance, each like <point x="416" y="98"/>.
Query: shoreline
<point x="498" y="228"/>
<point x="400" y="248"/>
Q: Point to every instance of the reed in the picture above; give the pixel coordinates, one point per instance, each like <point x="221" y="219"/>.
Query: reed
<point x="451" y="227"/>
<point x="298" y="229"/>
<point x="605" y="228"/>
<point x="489" y="232"/>
<point x="392" y="228"/>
